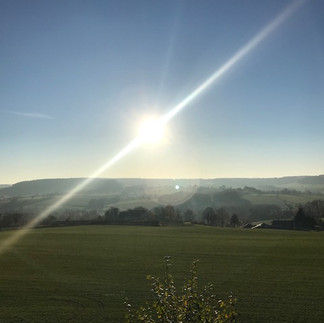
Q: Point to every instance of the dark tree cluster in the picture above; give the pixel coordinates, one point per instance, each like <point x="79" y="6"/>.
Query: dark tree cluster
<point x="303" y="221"/>
<point x="14" y="219"/>
<point x="220" y="217"/>
<point x="140" y="215"/>
<point x="314" y="209"/>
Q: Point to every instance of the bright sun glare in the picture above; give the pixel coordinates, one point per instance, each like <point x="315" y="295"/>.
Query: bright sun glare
<point x="151" y="130"/>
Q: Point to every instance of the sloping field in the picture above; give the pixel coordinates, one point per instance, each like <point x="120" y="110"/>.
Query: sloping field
<point x="282" y="200"/>
<point x="84" y="274"/>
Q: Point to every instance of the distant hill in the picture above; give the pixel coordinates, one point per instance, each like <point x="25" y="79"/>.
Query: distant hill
<point x="251" y="199"/>
<point x="301" y="183"/>
<point x="60" y="186"/>
<point x="160" y="186"/>
<point x="228" y="198"/>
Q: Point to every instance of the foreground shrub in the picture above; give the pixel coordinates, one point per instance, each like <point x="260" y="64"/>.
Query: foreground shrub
<point x="190" y="306"/>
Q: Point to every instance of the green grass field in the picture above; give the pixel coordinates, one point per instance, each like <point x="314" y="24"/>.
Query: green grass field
<point x="84" y="274"/>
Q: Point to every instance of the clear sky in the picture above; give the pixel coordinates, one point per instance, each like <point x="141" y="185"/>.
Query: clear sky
<point x="76" y="78"/>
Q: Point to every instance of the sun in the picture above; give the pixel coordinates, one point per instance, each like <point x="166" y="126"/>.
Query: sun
<point x="151" y="130"/>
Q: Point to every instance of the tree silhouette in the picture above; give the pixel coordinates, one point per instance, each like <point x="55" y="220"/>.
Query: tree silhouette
<point x="209" y="215"/>
<point x="234" y="222"/>
<point x="302" y="221"/>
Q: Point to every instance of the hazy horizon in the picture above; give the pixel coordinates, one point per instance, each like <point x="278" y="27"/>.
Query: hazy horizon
<point x="78" y="78"/>
<point x="162" y="178"/>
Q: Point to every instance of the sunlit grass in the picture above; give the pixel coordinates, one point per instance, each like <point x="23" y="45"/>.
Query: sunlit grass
<point x="84" y="274"/>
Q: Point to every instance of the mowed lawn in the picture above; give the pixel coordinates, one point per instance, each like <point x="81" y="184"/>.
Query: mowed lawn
<point x="84" y="274"/>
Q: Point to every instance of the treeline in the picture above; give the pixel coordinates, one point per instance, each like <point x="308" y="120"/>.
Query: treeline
<point x="252" y="204"/>
<point x="65" y="217"/>
<point x="14" y="219"/>
<point x="220" y="217"/>
<point x="162" y="215"/>
<point x="224" y="216"/>
<point x="169" y="215"/>
<point x="249" y="203"/>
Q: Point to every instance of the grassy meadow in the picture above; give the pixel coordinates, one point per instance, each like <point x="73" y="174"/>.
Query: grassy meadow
<point x="84" y="274"/>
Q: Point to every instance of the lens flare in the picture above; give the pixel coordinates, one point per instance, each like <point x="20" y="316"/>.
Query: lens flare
<point x="150" y="130"/>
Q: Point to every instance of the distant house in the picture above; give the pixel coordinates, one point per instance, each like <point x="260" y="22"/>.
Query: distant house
<point x="247" y="226"/>
<point x="276" y="224"/>
<point x="283" y="224"/>
<point x="262" y="226"/>
<point x="280" y="225"/>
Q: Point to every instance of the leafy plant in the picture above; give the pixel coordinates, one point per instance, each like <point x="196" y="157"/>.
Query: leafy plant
<point x="190" y="306"/>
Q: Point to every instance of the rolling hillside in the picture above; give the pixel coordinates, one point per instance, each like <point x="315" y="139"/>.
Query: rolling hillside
<point x="250" y="203"/>
<point x="103" y="185"/>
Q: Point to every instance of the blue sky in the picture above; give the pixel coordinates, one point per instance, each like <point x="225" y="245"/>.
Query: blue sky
<point x="76" y="77"/>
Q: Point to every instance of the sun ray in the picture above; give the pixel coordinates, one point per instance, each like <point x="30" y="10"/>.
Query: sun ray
<point x="20" y="233"/>
<point x="253" y="43"/>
